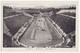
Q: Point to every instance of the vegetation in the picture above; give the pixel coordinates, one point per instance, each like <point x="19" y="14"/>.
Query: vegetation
<point x="8" y="11"/>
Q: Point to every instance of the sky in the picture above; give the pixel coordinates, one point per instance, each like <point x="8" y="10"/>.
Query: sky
<point x="32" y="4"/>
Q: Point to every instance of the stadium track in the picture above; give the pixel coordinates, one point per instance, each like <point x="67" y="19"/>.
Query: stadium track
<point x="56" y="38"/>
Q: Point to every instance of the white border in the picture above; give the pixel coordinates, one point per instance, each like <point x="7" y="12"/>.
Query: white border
<point x="41" y="49"/>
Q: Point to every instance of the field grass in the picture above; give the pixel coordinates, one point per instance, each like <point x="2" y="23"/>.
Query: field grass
<point x="67" y="24"/>
<point x="15" y="23"/>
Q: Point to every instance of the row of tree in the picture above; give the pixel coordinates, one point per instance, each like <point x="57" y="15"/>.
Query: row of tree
<point x="36" y="11"/>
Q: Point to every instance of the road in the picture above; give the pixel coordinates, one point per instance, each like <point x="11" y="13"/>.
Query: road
<point x="41" y="33"/>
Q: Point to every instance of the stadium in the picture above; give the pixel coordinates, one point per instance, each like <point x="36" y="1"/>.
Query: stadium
<point x="39" y="27"/>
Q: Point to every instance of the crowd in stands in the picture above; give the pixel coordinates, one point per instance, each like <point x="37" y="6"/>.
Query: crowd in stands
<point x="15" y="23"/>
<point x="69" y="14"/>
<point x="67" y="24"/>
<point x="7" y="41"/>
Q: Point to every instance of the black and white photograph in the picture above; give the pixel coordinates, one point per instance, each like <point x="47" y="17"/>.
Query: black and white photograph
<point x="39" y="24"/>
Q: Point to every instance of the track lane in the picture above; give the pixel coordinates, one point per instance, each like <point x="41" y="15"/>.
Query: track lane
<point x="26" y="38"/>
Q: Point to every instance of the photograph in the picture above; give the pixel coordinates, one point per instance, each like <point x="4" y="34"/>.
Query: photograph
<point x="39" y="24"/>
